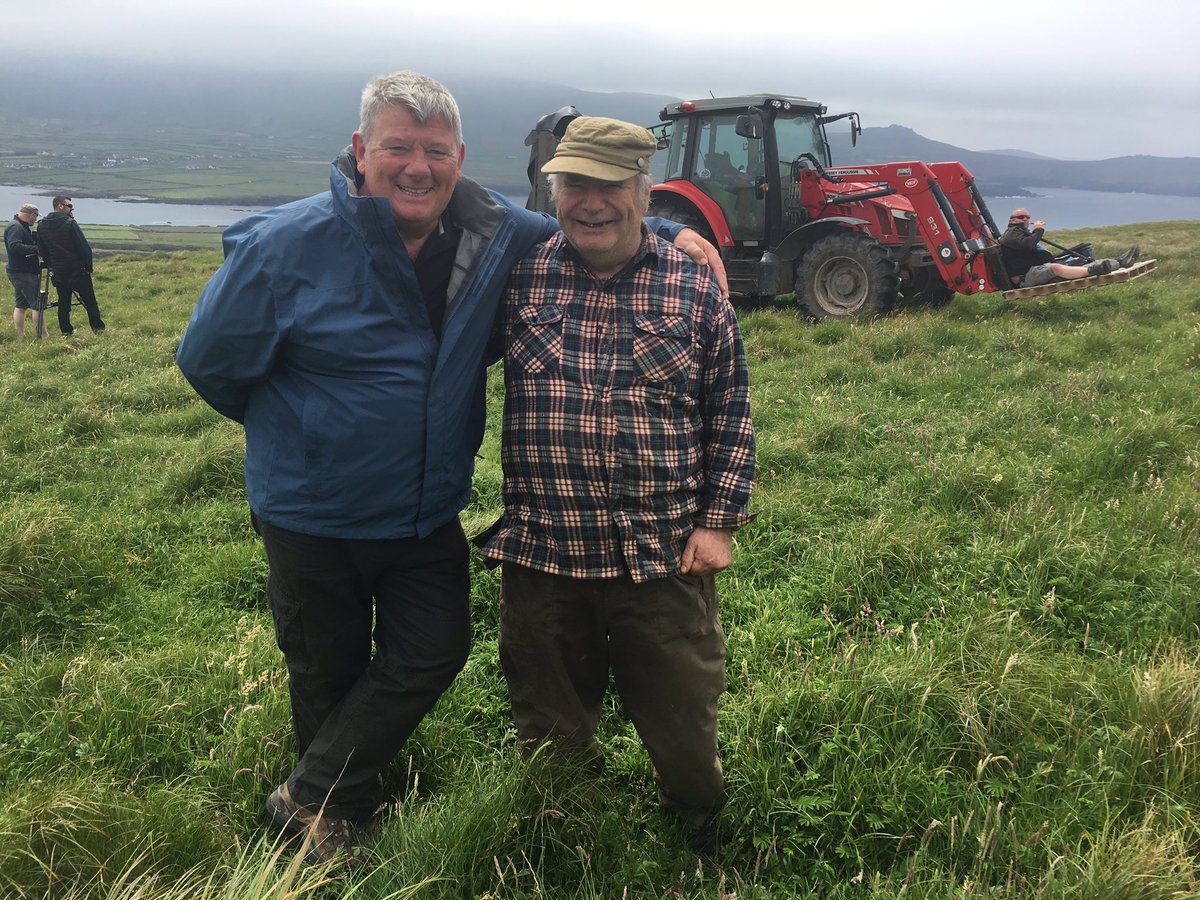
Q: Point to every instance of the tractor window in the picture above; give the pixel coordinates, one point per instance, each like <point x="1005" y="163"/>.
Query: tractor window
<point x="797" y="134"/>
<point x="727" y="167"/>
<point x="676" y="151"/>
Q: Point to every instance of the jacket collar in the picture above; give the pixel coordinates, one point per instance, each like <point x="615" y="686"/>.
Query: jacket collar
<point x="471" y="207"/>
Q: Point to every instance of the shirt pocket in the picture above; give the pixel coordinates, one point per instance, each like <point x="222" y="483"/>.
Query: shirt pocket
<point x="662" y="350"/>
<point x="535" y="343"/>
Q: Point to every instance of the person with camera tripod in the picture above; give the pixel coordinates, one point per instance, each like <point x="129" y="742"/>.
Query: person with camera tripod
<point x="69" y="256"/>
<point x="24" y="269"/>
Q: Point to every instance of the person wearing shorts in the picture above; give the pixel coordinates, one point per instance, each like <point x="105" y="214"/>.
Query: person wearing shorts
<point x="1030" y="265"/>
<point x="24" y="269"/>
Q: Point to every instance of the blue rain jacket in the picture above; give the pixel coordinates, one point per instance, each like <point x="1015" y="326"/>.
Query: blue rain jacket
<point x="314" y="335"/>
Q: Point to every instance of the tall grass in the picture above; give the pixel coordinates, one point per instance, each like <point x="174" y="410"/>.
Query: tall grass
<point x="963" y="630"/>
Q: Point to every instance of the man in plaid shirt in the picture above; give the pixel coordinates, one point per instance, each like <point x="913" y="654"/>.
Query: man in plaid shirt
<point x="628" y="459"/>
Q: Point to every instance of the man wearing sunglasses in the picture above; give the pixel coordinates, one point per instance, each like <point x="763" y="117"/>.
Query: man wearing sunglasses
<point x="69" y="255"/>
<point x="1029" y="264"/>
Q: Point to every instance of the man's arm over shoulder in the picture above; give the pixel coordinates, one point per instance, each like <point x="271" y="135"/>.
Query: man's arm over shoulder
<point x="694" y="245"/>
<point x="234" y="333"/>
<point x="538" y="226"/>
<point x="664" y="228"/>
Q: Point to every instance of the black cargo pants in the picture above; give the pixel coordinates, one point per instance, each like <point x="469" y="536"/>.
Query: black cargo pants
<point x="353" y="710"/>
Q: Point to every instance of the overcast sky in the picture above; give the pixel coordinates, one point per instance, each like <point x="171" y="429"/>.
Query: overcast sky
<point x="1075" y="80"/>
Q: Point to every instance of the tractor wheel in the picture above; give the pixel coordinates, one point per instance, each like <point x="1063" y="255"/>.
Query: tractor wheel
<point x="844" y="276"/>
<point x="925" y="286"/>
<point x="684" y="215"/>
<point x="936" y="293"/>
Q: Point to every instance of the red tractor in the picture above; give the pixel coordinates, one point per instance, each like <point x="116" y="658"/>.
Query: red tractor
<point x="754" y="175"/>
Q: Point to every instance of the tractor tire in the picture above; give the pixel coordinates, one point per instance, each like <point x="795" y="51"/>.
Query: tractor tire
<point x="684" y="215"/>
<point x="845" y="276"/>
<point x="936" y="293"/>
<point x="925" y="287"/>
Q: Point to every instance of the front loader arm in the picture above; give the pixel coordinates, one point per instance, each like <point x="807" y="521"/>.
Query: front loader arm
<point x="950" y="216"/>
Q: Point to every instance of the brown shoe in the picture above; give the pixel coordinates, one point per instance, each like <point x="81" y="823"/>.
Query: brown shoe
<point x="323" y="835"/>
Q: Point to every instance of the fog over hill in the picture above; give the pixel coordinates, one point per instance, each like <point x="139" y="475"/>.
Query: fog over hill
<point x="312" y="116"/>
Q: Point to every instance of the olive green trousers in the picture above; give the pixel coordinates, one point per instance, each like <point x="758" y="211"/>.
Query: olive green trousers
<point x="662" y="640"/>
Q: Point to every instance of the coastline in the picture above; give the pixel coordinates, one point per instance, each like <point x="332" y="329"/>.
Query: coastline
<point x="43" y="190"/>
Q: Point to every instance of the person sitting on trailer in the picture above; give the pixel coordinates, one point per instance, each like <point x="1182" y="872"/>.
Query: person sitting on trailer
<point x="1029" y="264"/>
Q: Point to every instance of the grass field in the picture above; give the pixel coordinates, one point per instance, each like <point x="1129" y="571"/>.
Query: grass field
<point x="109" y="239"/>
<point x="963" y="630"/>
<point x="249" y="181"/>
<point x="177" y="168"/>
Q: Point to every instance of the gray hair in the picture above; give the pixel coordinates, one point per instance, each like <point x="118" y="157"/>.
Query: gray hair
<point x="423" y="97"/>
<point x="555" y="182"/>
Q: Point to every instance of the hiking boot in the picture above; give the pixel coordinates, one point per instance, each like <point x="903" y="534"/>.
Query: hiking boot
<point x="1103" y="267"/>
<point x="1129" y="257"/>
<point x="323" y="835"/>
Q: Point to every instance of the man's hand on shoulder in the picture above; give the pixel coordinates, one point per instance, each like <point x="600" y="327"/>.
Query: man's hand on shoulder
<point x="708" y="550"/>
<point x="705" y="254"/>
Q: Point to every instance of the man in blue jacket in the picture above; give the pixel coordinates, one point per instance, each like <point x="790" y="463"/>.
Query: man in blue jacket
<point x="347" y="332"/>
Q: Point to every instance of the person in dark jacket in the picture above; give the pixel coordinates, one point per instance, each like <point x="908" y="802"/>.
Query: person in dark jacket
<point x="1029" y="264"/>
<point x="349" y="333"/>
<point x="24" y="269"/>
<point x="69" y="256"/>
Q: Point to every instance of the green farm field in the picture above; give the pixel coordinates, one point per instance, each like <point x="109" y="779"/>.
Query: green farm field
<point x="109" y="239"/>
<point x="181" y="174"/>
<point x="964" y="630"/>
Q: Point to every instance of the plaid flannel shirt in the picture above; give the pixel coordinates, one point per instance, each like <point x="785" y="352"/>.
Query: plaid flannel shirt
<point x="626" y="417"/>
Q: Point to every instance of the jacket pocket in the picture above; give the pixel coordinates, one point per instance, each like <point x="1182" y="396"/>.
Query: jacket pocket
<point x="319" y="473"/>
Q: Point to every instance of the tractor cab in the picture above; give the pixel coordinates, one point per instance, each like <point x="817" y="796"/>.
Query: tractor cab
<point x="732" y="172"/>
<point x="733" y="156"/>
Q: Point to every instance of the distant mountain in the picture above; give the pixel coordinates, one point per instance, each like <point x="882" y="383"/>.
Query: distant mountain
<point x="311" y="115"/>
<point x="1024" y="154"/>
<point x="1005" y="175"/>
